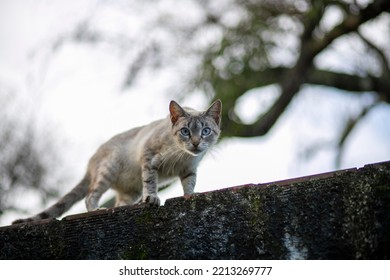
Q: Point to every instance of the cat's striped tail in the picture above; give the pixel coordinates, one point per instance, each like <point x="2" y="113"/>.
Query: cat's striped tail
<point x="62" y="205"/>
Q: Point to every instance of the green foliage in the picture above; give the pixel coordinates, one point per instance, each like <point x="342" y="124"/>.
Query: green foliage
<point x="247" y="57"/>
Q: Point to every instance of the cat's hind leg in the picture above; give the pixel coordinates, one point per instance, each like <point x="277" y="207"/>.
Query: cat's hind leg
<point x="103" y="181"/>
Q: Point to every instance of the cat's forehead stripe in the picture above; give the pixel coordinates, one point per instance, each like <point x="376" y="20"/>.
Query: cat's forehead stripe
<point x="195" y="123"/>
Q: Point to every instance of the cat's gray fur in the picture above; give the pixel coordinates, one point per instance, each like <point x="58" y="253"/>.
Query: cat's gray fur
<point x="137" y="162"/>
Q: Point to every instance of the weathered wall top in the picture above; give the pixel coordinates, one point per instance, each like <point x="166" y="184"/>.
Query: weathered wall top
<point x="337" y="215"/>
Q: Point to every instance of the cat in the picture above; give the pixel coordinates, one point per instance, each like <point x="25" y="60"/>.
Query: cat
<point x="138" y="162"/>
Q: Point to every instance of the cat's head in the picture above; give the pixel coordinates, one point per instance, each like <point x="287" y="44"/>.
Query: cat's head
<point x="195" y="132"/>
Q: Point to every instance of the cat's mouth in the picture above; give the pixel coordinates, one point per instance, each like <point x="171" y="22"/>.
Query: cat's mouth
<point x="194" y="151"/>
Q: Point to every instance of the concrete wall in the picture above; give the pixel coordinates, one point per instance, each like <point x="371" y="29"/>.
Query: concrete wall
<point x="338" y="215"/>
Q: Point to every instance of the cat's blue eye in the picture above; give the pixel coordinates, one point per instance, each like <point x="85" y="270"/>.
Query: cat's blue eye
<point x="206" y="131"/>
<point x="185" y="131"/>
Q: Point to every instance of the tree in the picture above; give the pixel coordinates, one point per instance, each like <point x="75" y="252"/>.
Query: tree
<point x="246" y="51"/>
<point x="27" y="158"/>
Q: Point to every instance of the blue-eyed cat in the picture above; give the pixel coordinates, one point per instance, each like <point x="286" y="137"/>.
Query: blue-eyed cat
<point x="137" y="162"/>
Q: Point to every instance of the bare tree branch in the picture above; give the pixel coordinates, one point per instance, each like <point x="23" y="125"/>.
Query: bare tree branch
<point x="384" y="61"/>
<point x="291" y="79"/>
<point x="348" y="128"/>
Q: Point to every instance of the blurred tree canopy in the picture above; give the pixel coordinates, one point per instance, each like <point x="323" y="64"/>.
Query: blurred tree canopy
<point x="247" y="58"/>
<point x="247" y="50"/>
<point x="26" y="157"/>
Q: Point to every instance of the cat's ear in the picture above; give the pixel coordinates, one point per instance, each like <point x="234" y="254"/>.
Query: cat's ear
<point x="215" y="110"/>
<point x="176" y="111"/>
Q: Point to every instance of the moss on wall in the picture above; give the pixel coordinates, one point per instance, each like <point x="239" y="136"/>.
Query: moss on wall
<point x="338" y="215"/>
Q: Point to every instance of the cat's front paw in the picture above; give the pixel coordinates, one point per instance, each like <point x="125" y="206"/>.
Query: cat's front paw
<point x="152" y="200"/>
